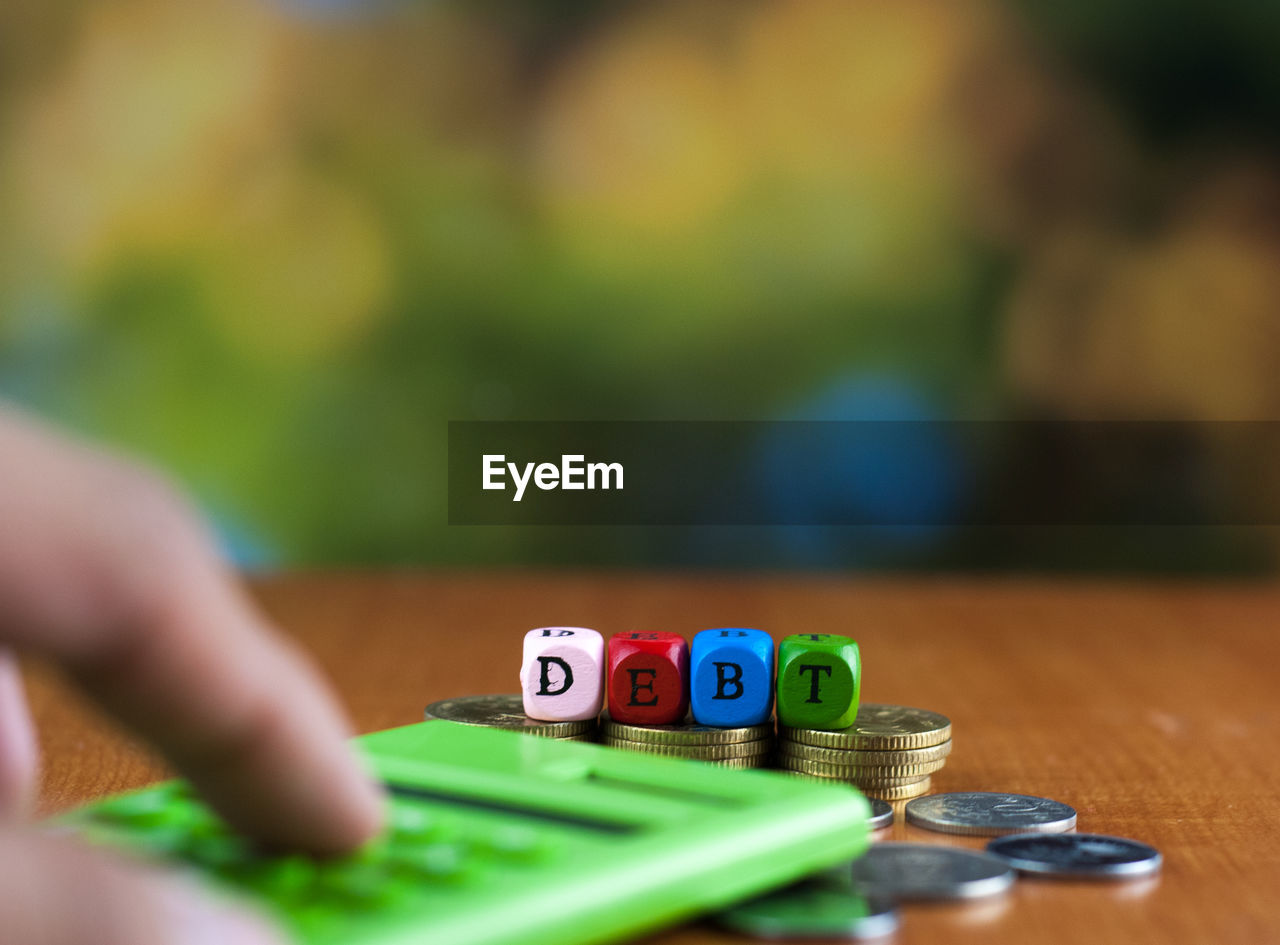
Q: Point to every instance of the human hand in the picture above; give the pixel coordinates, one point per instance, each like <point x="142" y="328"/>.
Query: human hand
<point x="104" y="569"/>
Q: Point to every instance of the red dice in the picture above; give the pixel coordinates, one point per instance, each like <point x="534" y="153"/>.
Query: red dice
<point x="648" y="675"/>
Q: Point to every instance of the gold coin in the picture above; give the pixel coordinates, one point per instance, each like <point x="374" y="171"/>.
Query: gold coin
<point x="902" y="793"/>
<point x="879" y="728"/>
<point x="743" y="762"/>
<point x="503" y="711"/>
<point x="897" y="793"/>
<point x="755" y="749"/>
<point x="871" y="783"/>
<point x="866" y="759"/>
<point x="854" y="772"/>
<point x="887" y="782"/>
<point x="689" y="733"/>
<point x="817" y="778"/>
<point x="740" y="763"/>
<point x="878" y="772"/>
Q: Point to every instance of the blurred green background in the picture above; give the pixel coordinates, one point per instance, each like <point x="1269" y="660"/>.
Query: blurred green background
<point x="275" y="247"/>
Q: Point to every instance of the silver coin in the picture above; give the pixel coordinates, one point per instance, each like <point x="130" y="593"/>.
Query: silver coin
<point x="881" y="814"/>
<point x="812" y="910"/>
<point x="1077" y="855"/>
<point x="990" y="814"/>
<point x="924" y="871"/>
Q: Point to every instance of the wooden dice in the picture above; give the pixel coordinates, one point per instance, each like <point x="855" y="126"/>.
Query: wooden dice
<point x="731" y="677"/>
<point x="648" y="673"/>
<point x="562" y="674"/>
<point x="819" y="678"/>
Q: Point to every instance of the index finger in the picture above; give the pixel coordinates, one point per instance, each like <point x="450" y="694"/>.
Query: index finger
<point x="105" y="570"/>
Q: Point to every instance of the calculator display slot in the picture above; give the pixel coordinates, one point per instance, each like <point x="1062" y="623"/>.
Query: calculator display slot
<point x="470" y="802"/>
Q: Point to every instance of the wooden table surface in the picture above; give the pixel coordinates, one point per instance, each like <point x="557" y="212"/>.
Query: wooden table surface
<point x="1153" y="709"/>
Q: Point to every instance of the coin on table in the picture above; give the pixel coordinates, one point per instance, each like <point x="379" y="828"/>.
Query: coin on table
<point x="924" y="871"/>
<point x="880" y="727"/>
<point x="867" y="759"/>
<point x="990" y="814"/>
<point x="1077" y="855"/>
<point x="684" y="734"/>
<point x="901" y="793"/>
<point x="503" y="711"/>
<point x="812" y="909"/>
<point x="869" y="779"/>
<point x="740" y="763"/>
<point x="701" y="752"/>
<point x="852" y="769"/>
<point x="881" y="814"/>
<point x="898" y="793"/>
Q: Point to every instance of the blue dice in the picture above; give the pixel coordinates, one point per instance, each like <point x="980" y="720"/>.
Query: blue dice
<point x="731" y="677"/>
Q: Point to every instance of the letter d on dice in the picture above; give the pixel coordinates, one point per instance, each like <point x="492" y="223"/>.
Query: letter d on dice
<point x="562" y="674"/>
<point x="819" y="677"/>
<point x="732" y="677"/>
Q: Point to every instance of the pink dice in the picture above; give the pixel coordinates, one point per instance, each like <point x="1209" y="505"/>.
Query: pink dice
<point x="562" y="674"/>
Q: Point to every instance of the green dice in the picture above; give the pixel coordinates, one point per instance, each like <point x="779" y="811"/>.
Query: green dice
<point x="819" y="677"/>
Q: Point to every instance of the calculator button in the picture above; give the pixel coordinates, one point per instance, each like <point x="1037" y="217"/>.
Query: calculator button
<point x="365" y="884"/>
<point x="284" y="877"/>
<point x="281" y="878"/>
<point x="142" y="810"/>
<point x="201" y="823"/>
<point x="311" y="920"/>
<point x="515" y="843"/>
<point x="450" y="862"/>
<point x="362" y="881"/>
<point x="374" y="851"/>
<point x="412" y="821"/>
<point x="218" y="851"/>
<point x="168" y="839"/>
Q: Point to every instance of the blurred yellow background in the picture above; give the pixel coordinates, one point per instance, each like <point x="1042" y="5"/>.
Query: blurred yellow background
<point x="276" y="246"/>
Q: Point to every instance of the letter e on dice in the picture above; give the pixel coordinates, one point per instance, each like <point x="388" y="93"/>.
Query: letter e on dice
<point x="648" y="678"/>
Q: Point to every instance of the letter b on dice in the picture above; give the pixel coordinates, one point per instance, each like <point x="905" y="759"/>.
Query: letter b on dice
<point x="731" y="681"/>
<point x="819" y="677"/>
<point x="562" y="675"/>
<point x="648" y="678"/>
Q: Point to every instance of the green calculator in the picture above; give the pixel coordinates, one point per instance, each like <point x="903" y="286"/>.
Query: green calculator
<point x="500" y="838"/>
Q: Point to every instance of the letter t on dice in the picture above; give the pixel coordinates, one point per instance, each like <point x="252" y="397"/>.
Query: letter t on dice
<point x="562" y="675"/>
<point x="731" y="677"/>
<point x="819" y="678"/>
<point x="648" y="678"/>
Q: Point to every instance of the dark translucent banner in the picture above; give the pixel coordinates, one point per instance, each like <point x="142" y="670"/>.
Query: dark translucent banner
<point x="872" y="473"/>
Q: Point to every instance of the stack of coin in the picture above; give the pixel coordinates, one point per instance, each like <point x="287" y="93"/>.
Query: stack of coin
<point x="507" y="711"/>
<point x="889" y="752"/>
<point x="747" y="747"/>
